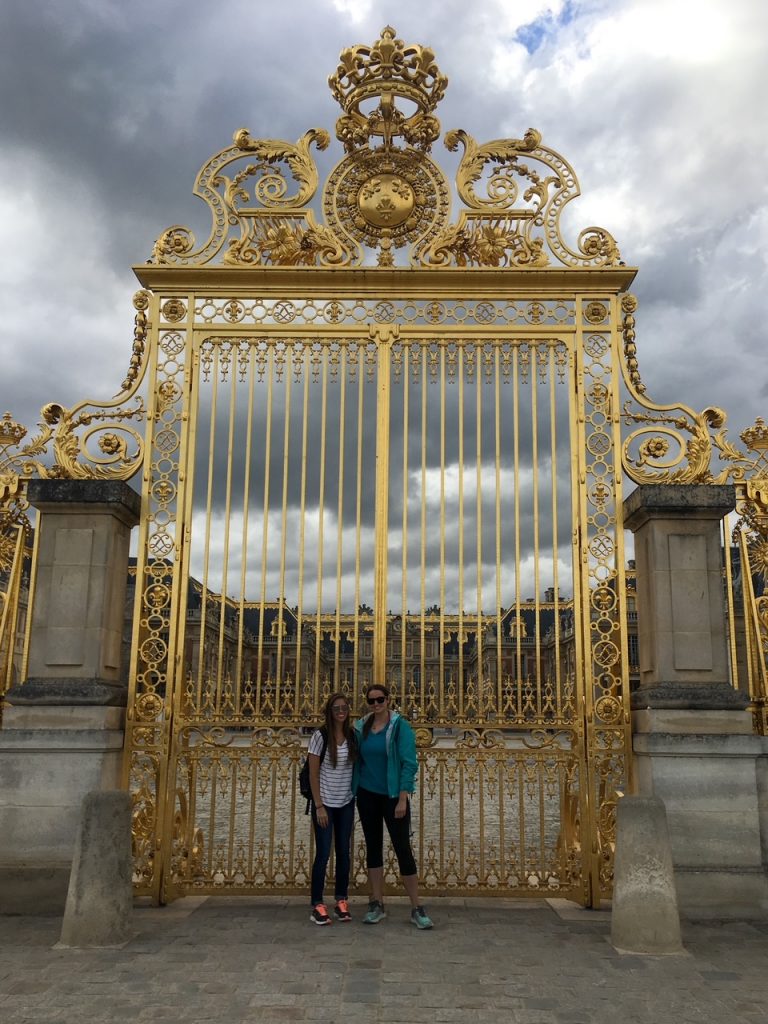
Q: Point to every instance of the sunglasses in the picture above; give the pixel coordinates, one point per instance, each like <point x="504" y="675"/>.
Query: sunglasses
<point x="376" y="700"/>
<point x="340" y="709"/>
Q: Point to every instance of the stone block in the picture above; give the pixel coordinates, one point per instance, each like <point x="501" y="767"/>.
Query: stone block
<point x="709" y="786"/>
<point x="99" y="903"/>
<point x="49" y="757"/>
<point x="644" y="915"/>
<point x="685" y="722"/>
<point x="73" y="546"/>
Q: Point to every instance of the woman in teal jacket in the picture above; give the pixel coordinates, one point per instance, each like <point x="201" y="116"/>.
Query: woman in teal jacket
<point x="384" y="777"/>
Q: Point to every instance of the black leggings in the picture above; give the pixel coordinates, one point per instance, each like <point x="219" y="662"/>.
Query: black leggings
<point x="376" y="810"/>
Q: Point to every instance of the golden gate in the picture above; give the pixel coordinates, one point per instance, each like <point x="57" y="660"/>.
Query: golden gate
<point x="383" y="445"/>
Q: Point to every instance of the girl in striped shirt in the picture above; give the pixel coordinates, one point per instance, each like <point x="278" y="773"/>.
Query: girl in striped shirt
<point x="332" y="751"/>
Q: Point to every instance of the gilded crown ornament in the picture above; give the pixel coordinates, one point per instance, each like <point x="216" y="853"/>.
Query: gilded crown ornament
<point x="756" y="436"/>
<point x="387" y="71"/>
<point x="11" y="432"/>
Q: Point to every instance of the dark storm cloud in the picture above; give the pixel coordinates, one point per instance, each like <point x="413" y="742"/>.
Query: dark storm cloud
<point x="111" y="108"/>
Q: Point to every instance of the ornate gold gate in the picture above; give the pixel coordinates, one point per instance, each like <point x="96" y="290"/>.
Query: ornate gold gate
<point x="382" y="444"/>
<point x="405" y="471"/>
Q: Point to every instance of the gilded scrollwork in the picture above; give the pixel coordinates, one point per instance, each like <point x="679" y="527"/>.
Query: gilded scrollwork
<point x="141" y="326"/>
<point x="503" y="189"/>
<point x="676" y="445"/>
<point x="386" y="192"/>
<point x="485" y="243"/>
<point x="67" y="436"/>
<point x="90" y="441"/>
<point x="256" y="197"/>
<point x="286" y="242"/>
<point x="517" y="222"/>
<point x="270" y="188"/>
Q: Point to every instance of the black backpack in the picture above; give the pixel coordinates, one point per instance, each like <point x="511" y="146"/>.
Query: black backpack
<point x="304" y="787"/>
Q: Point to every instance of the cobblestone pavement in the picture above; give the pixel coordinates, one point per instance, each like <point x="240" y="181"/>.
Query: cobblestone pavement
<point x="234" y="960"/>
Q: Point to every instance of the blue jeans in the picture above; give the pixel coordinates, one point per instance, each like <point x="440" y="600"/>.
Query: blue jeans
<point x="339" y="828"/>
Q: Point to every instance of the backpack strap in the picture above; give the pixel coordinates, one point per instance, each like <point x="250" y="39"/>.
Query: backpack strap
<point x="324" y="734"/>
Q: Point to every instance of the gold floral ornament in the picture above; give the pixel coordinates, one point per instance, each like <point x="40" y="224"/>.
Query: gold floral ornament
<point x="13" y="503"/>
<point x="257" y="199"/>
<point x="516" y="223"/>
<point x="72" y="435"/>
<point x="675" y="445"/>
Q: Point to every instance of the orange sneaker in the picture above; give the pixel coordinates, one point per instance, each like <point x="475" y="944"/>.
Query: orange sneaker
<point x="319" y="914"/>
<point x="341" y="911"/>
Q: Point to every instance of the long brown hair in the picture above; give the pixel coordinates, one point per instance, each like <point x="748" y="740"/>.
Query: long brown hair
<point x="369" y="720"/>
<point x="330" y="730"/>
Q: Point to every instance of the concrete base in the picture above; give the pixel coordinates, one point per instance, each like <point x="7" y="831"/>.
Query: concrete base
<point x="708" y="781"/>
<point x="644" y="916"/>
<point x="50" y="757"/>
<point x="99" y="905"/>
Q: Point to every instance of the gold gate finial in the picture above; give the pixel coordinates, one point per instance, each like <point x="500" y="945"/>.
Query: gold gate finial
<point x="388" y="70"/>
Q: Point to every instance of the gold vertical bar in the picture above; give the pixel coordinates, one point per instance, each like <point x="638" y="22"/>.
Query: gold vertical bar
<point x="522" y="845"/>
<point x="302" y="524"/>
<point x="753" y="630"/>
<point x="201" y="667"/>
<point x="621" y="672"/>
<point x="340" y="513"/>
<point x="252" y="819"/>
<point x="382" y="509"/>
<point x="481" y="784"/>
<point x="516" y="478"/>
<point x="404" y="541"/>
<point x="265" y="526"/>
<point x="358" y="511"/>
<point x="479" y="517"/>
<point x="11" y="608"/>
<point x="284" y="528"/>
<point x="584" y="682"/>
<point x="497" y="467"/>
<point x="442" y="687"/>
<point x="423" y="538"/>
<point x="31" y="605"/>
<point x="501" y="789"/>
<point x="227" y="517"/>
<point x="461" y="533"/>
<point x="320" y="526"/>
<point x="175" y="710"/>
<point x="246" y="510"/>
<point x="534" y="369"/>
<point x="234" y="756"/>
<point x="730" y="600"/>
<point x="555" y="548"/>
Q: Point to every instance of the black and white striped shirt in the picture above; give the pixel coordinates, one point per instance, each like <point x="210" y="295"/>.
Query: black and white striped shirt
<point x="335" y="783"/>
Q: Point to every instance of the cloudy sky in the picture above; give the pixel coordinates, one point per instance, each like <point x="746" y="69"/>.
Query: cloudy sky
<point x="110" y="107"/>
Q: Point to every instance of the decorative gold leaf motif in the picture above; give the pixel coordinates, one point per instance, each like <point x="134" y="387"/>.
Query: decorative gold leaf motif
<point x="503" y="191"/>
<point x="270" y="188"/>
<point x="499" y="229"/>
<point x="485" y="244"/>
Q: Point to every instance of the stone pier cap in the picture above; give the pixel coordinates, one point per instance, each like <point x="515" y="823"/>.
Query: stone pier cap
<point x="84" y="495"/>
<point x="698" y="501"/>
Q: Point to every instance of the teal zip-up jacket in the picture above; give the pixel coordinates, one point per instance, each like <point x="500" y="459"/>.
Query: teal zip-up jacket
<point x="402" y="763"/>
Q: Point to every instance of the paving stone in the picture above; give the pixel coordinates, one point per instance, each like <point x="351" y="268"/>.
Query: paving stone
<point x="260" y="960"/>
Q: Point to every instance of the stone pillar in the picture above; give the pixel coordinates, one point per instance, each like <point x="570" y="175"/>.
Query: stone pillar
<point x="693" y="741"/>
<point x="63" y="727"/>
